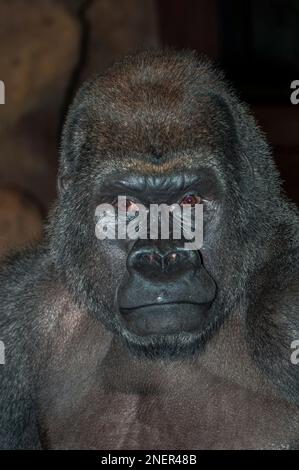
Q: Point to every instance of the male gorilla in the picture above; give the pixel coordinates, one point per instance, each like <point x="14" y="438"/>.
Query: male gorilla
<point x="127" y="344"/>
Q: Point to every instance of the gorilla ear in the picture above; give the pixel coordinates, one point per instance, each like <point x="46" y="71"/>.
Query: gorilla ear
<point x="73" y="138"/>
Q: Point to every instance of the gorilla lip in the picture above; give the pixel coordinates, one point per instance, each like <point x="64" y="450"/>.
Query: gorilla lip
<point x="161" y="304"/>
<point x="165" y="318"/>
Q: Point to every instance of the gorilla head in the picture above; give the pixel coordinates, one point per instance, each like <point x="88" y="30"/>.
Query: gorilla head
<point x="163" y="127"/>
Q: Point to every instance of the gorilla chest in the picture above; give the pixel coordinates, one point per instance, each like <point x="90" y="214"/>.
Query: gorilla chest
<point x="207" y="413"/>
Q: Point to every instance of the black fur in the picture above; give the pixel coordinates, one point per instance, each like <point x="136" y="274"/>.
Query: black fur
<point x="148" y="111"/>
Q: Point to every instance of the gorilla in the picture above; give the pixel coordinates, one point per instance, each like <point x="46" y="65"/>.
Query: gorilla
<point x="140" y="343"/>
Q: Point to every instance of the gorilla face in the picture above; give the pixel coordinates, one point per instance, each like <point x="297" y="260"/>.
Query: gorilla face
<point x="154" y="131"/>
<point x="165" y="288"/>
<point x="160" y="296"/>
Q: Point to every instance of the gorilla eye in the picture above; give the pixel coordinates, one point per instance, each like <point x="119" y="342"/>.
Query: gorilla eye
<point x="191" y="199"/>
<point x="131" y="206"/>
<point x="126" y="205"/>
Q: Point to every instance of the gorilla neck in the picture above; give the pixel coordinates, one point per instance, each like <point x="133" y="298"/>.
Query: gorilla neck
<point x="226" y="357"/>
<point x="106" y="360"/>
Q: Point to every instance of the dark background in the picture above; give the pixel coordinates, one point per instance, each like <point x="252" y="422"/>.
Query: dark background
<point x="48" y="47"/>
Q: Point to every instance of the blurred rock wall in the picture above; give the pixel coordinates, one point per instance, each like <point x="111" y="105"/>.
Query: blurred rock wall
<point x="47" y="48"/>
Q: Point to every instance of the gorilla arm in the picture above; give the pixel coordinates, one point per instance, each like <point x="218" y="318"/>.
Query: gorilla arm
<point x="44" y="335"/>
<point x="273" y="321"/>
<point x="18" y="420"/>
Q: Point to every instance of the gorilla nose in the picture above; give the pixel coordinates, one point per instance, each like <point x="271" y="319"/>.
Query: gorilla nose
<point x="162" y="261"/>
<point x="153" y="260"/>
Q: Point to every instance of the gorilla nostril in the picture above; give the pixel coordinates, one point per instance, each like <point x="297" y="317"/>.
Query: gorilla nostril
<point x="151" y="258"/>
<point x="172" y="258"/>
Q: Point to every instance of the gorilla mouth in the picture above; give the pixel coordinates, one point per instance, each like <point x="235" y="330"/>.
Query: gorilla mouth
<point x="155" y="298"/>
<point x="165" y="319"/>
